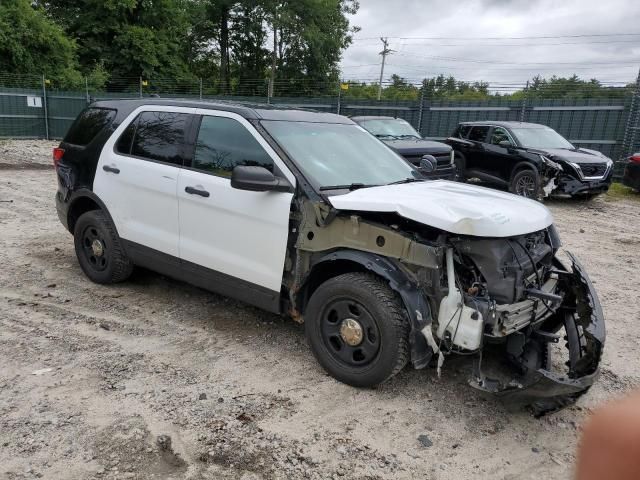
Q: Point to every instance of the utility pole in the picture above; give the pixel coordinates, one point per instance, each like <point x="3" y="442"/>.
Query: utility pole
<point x="274" y="60"/>
<point x="523" y="109"/>
<point x="385" y="51"/>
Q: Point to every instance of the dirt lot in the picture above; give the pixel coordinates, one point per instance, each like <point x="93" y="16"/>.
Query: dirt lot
<point x="156" y="379"/>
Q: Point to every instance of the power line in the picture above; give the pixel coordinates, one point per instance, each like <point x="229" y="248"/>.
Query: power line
<point x="508" y="38"/>
<point x="501" y="68"/>
<point x="500" y="45"/>
<point x="470" y="60"/>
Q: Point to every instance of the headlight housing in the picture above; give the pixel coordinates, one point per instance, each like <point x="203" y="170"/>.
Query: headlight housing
<point x="452" y="158"/>
<point x="550" y="163"/>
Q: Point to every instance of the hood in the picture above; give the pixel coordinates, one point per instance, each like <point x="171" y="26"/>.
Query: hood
<point x="577" y="155"/>
<point x="453" y="207"/>
<point x="417" y="146"/>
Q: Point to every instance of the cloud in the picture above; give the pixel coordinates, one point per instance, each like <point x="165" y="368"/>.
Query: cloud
<point x="507" y="61"/>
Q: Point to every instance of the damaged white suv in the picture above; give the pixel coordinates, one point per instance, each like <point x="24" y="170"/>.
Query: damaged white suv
<point x="307" y="214"/>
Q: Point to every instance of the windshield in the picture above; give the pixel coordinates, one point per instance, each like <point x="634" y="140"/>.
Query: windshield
<point x="389" y="127"/>
<point x="337" y="154"/>
<point x="540" y="138"/>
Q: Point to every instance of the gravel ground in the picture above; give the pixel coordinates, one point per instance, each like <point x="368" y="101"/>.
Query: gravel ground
<point x="154" y="378"/>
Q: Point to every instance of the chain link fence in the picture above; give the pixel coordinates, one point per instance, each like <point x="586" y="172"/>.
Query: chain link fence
<point x="31" y="107"/>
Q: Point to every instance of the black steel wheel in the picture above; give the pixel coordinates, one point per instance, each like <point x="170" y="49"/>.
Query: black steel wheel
<point x="350" y="332"/>
<point x="525" y="183"/>
<point x="358" y="329"/>
<point x="94" y="248"/>
<point x="99" y="250"/>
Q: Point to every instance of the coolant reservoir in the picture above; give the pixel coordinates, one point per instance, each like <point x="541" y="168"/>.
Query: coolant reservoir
<point x="463" y="323"/>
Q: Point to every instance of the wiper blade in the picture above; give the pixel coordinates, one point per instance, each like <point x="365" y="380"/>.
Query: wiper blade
<point x="407" y="180"/>
<point x="386" y="135"/>
<point x="350" y="187"/>
<point x="408" y="136"/>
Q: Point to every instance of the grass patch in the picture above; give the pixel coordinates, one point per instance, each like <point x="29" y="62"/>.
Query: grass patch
<point x="618" y="191"/>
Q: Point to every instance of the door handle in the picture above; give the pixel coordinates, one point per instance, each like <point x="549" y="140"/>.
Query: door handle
<point x="107" y="168"/>
<point x="196" y="191"/>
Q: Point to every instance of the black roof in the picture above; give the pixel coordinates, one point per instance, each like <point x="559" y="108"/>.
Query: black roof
<point x="257" y="111"/>
<point x="498" y="123"/>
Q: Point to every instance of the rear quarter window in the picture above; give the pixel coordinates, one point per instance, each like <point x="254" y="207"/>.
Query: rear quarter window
<point x="478" y="134"/>
<point x="88" y="125"/>
<point x="462" y="131"/>
<point x="157" y="136"/>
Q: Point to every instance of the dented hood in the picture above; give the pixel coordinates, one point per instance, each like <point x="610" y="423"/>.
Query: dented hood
<point x="453" y="207"/>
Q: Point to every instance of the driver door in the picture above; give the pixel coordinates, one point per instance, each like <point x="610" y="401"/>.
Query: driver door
<point x="500" y="159"/>
<point x="232" y="237"/>
<point x="476" y="154"/>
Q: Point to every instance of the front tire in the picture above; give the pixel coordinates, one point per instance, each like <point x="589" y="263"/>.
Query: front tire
<point x="99" y="250"/>
<point x="358" y="329"/>
<point x="525" y="183"/>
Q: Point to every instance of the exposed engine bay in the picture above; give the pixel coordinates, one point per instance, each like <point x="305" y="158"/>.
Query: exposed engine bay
<point x="503" y="302"/>
<point x="515" y="294"/>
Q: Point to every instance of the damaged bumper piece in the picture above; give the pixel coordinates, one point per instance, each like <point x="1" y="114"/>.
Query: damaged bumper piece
<point x="567" y="185"/>
<point x="536" y="385"/>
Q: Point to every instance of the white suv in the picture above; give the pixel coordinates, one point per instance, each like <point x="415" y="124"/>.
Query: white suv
<point x="308" y="215"/>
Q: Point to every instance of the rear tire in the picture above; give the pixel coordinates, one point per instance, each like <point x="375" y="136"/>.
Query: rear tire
<point x="99" y="250"/>
<point x="358" y="329"/>
<point x="525" y="183"/>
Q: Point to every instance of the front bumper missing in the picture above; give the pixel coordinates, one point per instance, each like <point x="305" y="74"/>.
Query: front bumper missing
<point x="542" y="390"/>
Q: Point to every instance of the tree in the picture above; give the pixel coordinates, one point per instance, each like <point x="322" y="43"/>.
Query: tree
<point x="131" y="38"/>
<point x="31" y="44"/>
<point x="310" y="38"/>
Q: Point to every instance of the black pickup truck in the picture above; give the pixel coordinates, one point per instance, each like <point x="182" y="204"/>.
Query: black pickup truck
<point x="400" y="136"/>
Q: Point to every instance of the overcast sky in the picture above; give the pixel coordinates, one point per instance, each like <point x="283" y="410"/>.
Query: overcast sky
<point x="607" y="58"/>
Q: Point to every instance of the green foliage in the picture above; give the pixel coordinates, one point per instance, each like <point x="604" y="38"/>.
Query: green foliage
<point x="129" y="38"/>
<point x="224" y="42"/>
<point x="31" y="44"/>
<point x="311" y="37"/>
<point x="448" y="88"/>
<point x="571" y="88"/>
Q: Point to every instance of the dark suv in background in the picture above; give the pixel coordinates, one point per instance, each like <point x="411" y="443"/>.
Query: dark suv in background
<point x="529" y="159"/>
<point x="400" y="136"/>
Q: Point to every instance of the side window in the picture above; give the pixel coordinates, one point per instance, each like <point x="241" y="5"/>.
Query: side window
<point x="478" y="134"/>
<point x="223" y="143"/>
<point x="158" y="136"/>
<point x="88" y="125"/>
<point x="123" y="145"/>
<point x="499" y="135"/>
<point x="463" y="131"/>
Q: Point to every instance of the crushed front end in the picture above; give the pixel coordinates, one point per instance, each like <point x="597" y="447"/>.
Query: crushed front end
<point x="513" y="303"/>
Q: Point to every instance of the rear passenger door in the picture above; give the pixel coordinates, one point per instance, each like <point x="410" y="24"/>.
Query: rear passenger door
<point x="137" y="177"/>
<point x="238" y="236"/>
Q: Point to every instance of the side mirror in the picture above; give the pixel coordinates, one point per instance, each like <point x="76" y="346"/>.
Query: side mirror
<point x="257" y="179"/>
<point x="505" y="144"/>
<point x="428" y="163"/>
